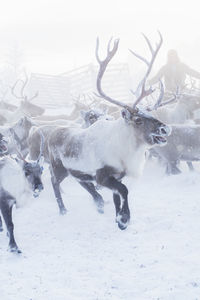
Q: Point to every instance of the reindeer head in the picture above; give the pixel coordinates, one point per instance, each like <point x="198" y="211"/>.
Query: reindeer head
<point x="33" y="171"/>
<point x="148" y="129"/>
<point x="28" y="108"/>
<point x="93" y="115"/>
<point x="145" y="127"/>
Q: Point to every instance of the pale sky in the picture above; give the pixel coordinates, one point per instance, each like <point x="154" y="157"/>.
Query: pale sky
<point x="58" y="35"/>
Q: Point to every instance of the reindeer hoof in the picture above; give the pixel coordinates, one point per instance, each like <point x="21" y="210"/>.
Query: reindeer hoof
<point x="122" y="226"/>
<point x="100" y="207"/>
<point x="63" y="211"/>
<point x="122" y="221"/>
<point x="15" y="249"/>
<point x="100" y="210"/>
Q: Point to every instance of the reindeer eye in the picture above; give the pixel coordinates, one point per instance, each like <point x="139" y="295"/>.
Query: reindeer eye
<point x="27" y="173"/>
<point x="138" y="121"/>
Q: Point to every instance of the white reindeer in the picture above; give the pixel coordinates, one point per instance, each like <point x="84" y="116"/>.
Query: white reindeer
<point x="106" y="151"/>
<point x="26" y="108"/>
<point x="17" y="178"/>
<point x="45" y="128"/>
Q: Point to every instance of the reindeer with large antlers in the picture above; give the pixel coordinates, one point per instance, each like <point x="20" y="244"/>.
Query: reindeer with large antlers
<point x="106" y="151"/>
<point x="26" y="107"/>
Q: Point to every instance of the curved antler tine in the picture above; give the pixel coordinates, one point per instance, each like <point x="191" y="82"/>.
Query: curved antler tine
<point x="109" y="43"/>
<point x="161" y="38"/>
<point x="148" y="43"/>
<point x="24" y="84"/>
<point x="171" y="100"/>
<point x="115" y="47"/>
<point x="110" y="52"/>
<point x="158" y="103"/>
<point x="34" y="96"/>
<point x="102" y="68"/>
<point x="13" y="89"/>
<point x="140" y="57"/>
<point x="97" y="50"/>
<point x="141" y="86"/>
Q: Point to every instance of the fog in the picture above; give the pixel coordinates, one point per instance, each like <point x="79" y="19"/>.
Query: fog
<point x="54" y="36"/>
<point x="83" y="255"/>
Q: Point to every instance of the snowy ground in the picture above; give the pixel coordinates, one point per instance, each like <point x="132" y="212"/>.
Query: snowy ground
<point x="84" y="256"/>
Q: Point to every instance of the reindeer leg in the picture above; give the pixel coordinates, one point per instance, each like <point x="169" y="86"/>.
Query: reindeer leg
<point x="56" y="188"/>
<point x="6" y="209"/>
<point x="121" y="202"/>
<point x="120" y="196"/>
<point x="58" y="173"/>
<point x="1" y="225"/>
<point x="117" y="202"/>
<point x="190" y="166"/>
<point x="98" y="200"/>
<point x="172" y="168"/>
<point x="85" y="181"/>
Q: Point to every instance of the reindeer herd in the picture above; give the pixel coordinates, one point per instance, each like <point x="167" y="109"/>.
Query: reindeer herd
<point x="94" y="147"/>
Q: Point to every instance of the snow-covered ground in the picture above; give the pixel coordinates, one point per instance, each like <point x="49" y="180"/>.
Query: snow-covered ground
<point x="84" y="256"/>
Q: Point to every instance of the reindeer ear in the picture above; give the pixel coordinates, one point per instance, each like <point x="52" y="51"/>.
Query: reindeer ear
<point x="126" y="115"/>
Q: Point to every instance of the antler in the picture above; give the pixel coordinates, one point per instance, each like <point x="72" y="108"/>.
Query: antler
<point x="22" y="95"/>
<point x="102" y="67"/>
<point x="141" y="92"/>
<point x="159" y="103"/>
<point x="13" y="89"/>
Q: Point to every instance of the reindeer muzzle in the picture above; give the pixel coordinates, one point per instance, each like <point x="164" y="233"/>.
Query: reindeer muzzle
<point x="160" y="137"/>
<point x="37" y="190"/>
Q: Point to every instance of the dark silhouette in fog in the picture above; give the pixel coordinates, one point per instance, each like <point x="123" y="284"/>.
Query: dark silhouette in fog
<point x="174" y="73"/>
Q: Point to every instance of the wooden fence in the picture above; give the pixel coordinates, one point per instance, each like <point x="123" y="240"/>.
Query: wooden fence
<point x="60" y="90"/>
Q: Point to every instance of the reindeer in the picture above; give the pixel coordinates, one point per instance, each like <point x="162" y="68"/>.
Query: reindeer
<point x="182" y="108"/>
<point x="26" y="108"/>
<point x="17" y="177"/>
<point x="45" y="128"/>
<point x="18" y="134"/>
<point x="107" y="151"/>
<point x="182" y="145"/>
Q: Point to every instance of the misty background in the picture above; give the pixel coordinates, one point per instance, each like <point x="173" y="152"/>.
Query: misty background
<point x="53" y="36"/>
